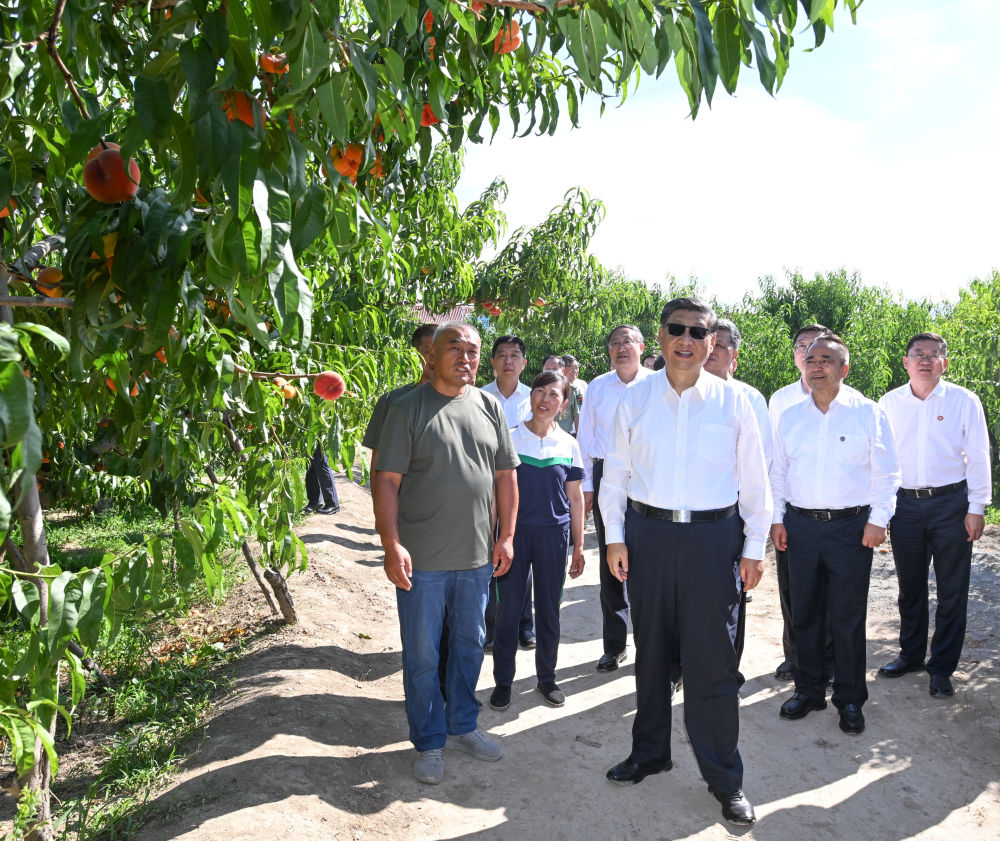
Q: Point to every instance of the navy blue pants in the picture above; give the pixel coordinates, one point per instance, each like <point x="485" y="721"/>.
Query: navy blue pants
<point x="319" y="479"/>
<point x="829" y="569"/>
<point x="923" y="529"/>
<point x="685" y="590"/>
<point x="542" y="550"/>
<point x="527" y="622"/>
<point x="614" y="599"/>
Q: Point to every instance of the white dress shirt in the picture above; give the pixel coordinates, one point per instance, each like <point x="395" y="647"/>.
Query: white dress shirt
<point x="698" y="450"/>
<point x="760" y="411"/>
<point x="942" y="439"/>
<point x="517" y="407"/>
<point x="600" y="402"/>
<point x="840" y="459"/>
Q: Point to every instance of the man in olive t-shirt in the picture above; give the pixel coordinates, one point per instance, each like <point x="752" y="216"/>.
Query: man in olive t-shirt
<point x="444" y="455"/>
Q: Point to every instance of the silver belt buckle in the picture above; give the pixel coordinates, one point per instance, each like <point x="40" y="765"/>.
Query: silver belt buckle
<point x="680" y="517"/>
<point x="924" y="493"/>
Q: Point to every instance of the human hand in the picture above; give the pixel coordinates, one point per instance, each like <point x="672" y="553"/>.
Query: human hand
<point x="576" y="565"/>
<point x="873" y="536"/>
<point x="398" y="567"/>
<point x="779" y="537"/>
<point x="588" y="503"/>
<point x="618" y="561"/>
<point x="974" y="525"/>
<point x="751" y="571"/>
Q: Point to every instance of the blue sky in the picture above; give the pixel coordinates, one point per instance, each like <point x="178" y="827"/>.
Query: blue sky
<point x="879" y="155"/>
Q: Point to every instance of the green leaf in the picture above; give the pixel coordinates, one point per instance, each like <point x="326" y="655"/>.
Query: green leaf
<point x="239" y="172"/>
<point x="331" y="98"/>
<point x="16" y="404"/>
<point x="708" y="57"/>
<point x="363" y="69"/>
<point x="727" y="34"/>
<point x="91" y="611"/>
<point x="154" y="106"/>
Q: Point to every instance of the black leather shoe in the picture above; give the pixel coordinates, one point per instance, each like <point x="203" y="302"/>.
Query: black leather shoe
<point x="900" y="667"/>
<point x="784" y="671"/>
<point x="799" y="706"/>
<point x="527" y="641"/>
<point x="735" y="807"/>
<point x="941" y="687"/>
<point x="627" y="773"/>
<point x="852" y="721"/>
<point x="609" y="662"/>
<point x="500" y="698"/>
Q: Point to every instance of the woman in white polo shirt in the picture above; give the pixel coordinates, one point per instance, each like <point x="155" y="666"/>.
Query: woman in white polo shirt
<point x="550" y="506"/>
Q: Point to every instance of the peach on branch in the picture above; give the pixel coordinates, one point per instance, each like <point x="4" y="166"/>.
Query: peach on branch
<point x="106" y="177"/>
<point x="329" y="385"/>
<point x="49" y="282"/>
<point x="274" y="63"/>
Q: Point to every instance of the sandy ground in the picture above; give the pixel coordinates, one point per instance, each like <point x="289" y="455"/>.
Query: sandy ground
<point x="312" y="741"/>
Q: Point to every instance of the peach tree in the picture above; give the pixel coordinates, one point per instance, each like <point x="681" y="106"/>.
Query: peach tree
<point x="233" y="191"/>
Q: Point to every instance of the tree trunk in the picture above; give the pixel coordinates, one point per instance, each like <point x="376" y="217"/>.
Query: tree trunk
<point x="277" y="582"/>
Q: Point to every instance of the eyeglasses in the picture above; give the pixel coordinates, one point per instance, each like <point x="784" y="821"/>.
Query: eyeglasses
<point x="925" y="357"/>
<point x="620" y="343"/>
<point x="697" y="333"/>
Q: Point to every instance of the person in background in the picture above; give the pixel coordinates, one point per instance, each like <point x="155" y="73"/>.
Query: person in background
<point x="723" y="361"/>
<point x="834" y="477"/>
<point x="648" y="361"/>
<point x="445" y="462"/>
<point x="625" y="348"/>
<point x="550" y="506"/>
<point x="571" y="370"/>
<point x="944" y="452"/>
<point x="321" y="492"/>
<point x="569" y="416"/>
<point x="508" y="360"/>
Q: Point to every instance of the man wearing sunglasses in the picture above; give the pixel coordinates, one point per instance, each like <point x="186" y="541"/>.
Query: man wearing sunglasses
<point x="834" y="477"/>
<point x="600" y="403"/>
<point x="686" y="506"/>
<point x="944" y="453"/>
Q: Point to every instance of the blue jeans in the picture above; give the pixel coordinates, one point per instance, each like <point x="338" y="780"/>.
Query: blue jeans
<point x="461" y="597"/>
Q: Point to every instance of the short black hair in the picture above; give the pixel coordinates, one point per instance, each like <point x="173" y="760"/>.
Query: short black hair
<point x="810" y="328"/>
<point x="508" y="340"/>
<point x="660" y="363"/>
<point x="928" y="337"/>
<point x="422" y="332"/>
<point x="833" y="339"/>
<point x="554" y="356"/>
<point x="568" y="359"/>
<point x="690" y="305"/>
<point x="549" y="377"/>
<point x="735" y="336"/>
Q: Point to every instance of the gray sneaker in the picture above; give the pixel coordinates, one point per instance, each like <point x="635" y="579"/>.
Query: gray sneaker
<point x="480" y="746"/>
<point x="429" y="767"/>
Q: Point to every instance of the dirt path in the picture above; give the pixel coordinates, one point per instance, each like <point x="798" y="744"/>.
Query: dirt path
<point x="312" y="741"/>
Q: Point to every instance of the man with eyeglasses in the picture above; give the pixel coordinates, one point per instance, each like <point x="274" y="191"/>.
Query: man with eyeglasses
<point x="571" y="371"/>
<point x="944" y="449"/>
<point x="686" y="505"/>
<point x="723" y="361"/>
<point x="834" y="477"/>
<point x="604" y="393"/>
<point x="782" y="399"/>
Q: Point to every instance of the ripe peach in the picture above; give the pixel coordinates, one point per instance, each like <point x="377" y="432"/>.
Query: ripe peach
<point x="275" y="63"/>
<point x="105" y="176"/>
<point x="279" y="382"/>
<point x="289" y="392"/>
<point x="429" y="20"/>
<point x="508" y="39"/>
<point x="241" y="106"/>
<point x="49" y="282"/>
<point x="161" y="354"/>
<point x="428" y="117"/>
<point x="11" y="205"/>
<point x="329" y="385"/>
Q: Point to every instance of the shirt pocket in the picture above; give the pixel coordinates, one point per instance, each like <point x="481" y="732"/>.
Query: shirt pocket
<point x="850" y="448"/>
<point x="717" y="443"/>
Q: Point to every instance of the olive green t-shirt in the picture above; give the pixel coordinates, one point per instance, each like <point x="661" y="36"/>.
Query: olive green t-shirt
<point x="567" y="417"/>
<point x="448" y="450"/>
<point x="373" y="432"/>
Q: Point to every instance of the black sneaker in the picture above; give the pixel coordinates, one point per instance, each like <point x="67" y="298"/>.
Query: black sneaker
<point x="500" y="699"/>
<point x="328" y="509"/>
<point x="310" y="508"/>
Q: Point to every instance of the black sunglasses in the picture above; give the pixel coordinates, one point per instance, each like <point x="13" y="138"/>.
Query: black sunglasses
<point x="697" y="333"/>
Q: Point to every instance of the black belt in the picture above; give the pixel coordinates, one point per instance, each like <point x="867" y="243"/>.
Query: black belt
<point x="926" y="493"/>
<point x="712" y="516"/>
<point x="824" y="515"/>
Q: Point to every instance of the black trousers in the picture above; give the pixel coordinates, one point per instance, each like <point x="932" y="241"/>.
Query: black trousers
<point x="921" y="530"/>
<point x="684" y="581"/>
<point x="614" y="600"/>
<point x="829" y="569"/>
<point x="319" y="480"/>
<point x="787" y="631"/>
